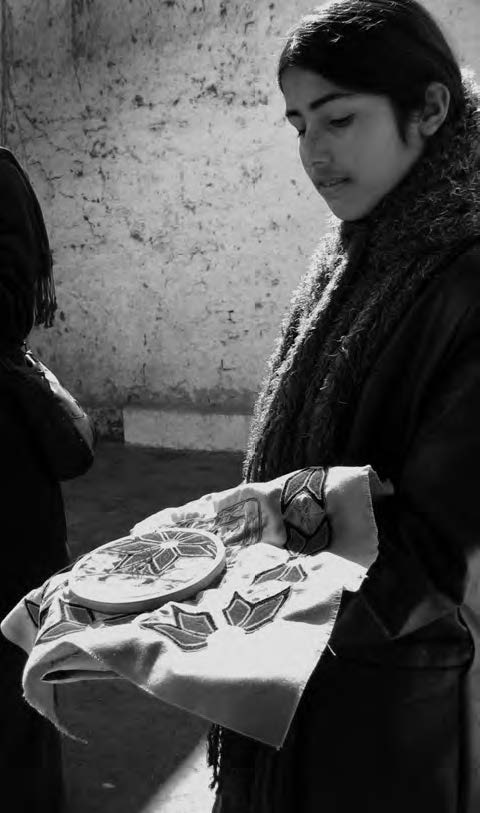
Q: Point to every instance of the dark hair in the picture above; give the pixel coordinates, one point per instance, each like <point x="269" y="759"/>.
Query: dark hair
<point x="392" y="48"/>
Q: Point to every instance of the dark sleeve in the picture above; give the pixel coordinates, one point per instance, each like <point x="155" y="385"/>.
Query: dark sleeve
<point x="33" y="538"/>
<point x="429" y="530"/>
<point x="19" y="256"/>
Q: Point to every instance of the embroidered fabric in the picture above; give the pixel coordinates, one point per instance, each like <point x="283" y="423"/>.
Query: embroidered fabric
<point x="240" y="652"/>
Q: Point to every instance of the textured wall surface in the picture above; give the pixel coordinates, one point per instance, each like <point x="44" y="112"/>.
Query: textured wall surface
<point x="179" y="216"/>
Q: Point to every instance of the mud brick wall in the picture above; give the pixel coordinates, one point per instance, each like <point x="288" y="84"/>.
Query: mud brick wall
<point x="179" y="216"/>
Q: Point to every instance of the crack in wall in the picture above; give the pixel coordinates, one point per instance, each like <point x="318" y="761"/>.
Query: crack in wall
<point x="80" y="27"/>
<point x="9" y="113"/>
<point x="6" y="62"/>
<point x="5" y="69"/>
<point x="79" y="32"/>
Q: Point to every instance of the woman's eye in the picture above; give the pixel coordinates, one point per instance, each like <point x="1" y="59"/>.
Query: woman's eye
<point x="343" y="122"/>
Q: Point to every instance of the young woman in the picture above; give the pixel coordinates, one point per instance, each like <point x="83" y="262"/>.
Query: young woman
<point x="379" y="363"/>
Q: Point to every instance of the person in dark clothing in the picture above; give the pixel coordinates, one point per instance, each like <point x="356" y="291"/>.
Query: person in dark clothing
<point x="378" y="363"/>
<point x="33" y="521"/>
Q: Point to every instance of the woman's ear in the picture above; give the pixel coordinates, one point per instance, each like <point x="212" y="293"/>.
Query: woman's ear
<point x="435" y="111"/>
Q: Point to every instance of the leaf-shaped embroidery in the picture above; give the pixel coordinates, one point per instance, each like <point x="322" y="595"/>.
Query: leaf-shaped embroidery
<point x="190" y="631"/>
<point x="238" y="610"/>
<point x="252" y="615"/>
<point x="296" y="541"/>
<point x="129" y="545"/>
<point x="265" y="612"/>
<point x="46" y="606"/>
<point x="64" y="617"/>
<point x="312" y="478"/>
<point x="189" y="641"/>
<point x="58" y="630"/>
<point x="287" y="572"/>
<point x="33" y="609"/>
<point x="295" y="573"/>
<point x="320" y="540"/>
<point x="77" y="612"/>
<point x="162" y="561"/>
<point x="274" y="574"/>
<point x="304" y="512"/>
<point x="316" y="484"/>
<point x="201" y="623"/>
<point x="205" y="548"/>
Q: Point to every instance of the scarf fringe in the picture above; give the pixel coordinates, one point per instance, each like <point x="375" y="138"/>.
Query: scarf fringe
<point x="214" y="753"/>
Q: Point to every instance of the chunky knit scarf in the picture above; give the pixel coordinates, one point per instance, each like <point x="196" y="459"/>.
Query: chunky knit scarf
<point x="363" y="279"/>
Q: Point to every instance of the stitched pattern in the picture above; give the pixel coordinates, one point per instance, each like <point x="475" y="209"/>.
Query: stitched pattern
<point x="191" y="631"/>
<point x="304" y="513"/>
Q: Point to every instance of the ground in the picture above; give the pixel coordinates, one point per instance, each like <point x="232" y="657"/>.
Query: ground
<point x="141" y="755"/>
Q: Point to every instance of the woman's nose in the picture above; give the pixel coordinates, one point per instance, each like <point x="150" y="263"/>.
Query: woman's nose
<point x="315" y="149"/>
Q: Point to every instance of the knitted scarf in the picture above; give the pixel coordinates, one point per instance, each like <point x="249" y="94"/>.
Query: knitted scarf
<point x="363" y="279"/>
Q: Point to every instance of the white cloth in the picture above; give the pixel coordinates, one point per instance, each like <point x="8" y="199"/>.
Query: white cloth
<point x="241" y="652"/>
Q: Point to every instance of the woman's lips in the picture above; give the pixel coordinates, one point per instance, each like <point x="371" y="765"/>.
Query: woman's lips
<point x="332" y="188"/>
<point x="332" y="183"/>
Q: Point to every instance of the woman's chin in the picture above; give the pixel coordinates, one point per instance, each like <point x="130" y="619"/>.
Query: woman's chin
<point x="349" y="210"/>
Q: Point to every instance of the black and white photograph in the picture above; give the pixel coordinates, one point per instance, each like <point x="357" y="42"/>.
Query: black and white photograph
<point x="240" y="406"/>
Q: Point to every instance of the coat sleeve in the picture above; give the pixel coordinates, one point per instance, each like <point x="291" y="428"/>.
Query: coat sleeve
<point x="19" y="256"/>
<point x="33" y="537"/>
<point x="429" y="531"/>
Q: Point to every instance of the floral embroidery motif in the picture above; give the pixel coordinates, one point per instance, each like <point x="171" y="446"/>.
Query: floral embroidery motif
<point x="59" y="616"/>
<point x="304" y="512"/>
<point x="64" y="617"/>
<point x="251" y="616"/>
<point x="191" y="631"/>
<point x="142" y="556"/>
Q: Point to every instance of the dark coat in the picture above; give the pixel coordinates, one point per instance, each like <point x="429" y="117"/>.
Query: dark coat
<point x="390" y="720"/>
<point x="33" y="521"/>
<point x="33" y="518"/>
<point x="33" y="532"/>
<point x="33" y="547"/>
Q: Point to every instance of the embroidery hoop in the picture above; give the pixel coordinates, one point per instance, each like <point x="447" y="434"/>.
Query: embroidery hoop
<point x="168" y="569"/>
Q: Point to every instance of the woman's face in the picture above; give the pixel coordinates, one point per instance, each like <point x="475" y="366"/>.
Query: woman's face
<point x="350" y="145"/>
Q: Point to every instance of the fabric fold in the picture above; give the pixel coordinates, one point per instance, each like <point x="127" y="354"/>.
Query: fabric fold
<point x="240" y="652"/>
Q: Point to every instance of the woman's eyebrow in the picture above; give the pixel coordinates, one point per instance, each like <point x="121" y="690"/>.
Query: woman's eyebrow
<point x="329" y="97"/>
